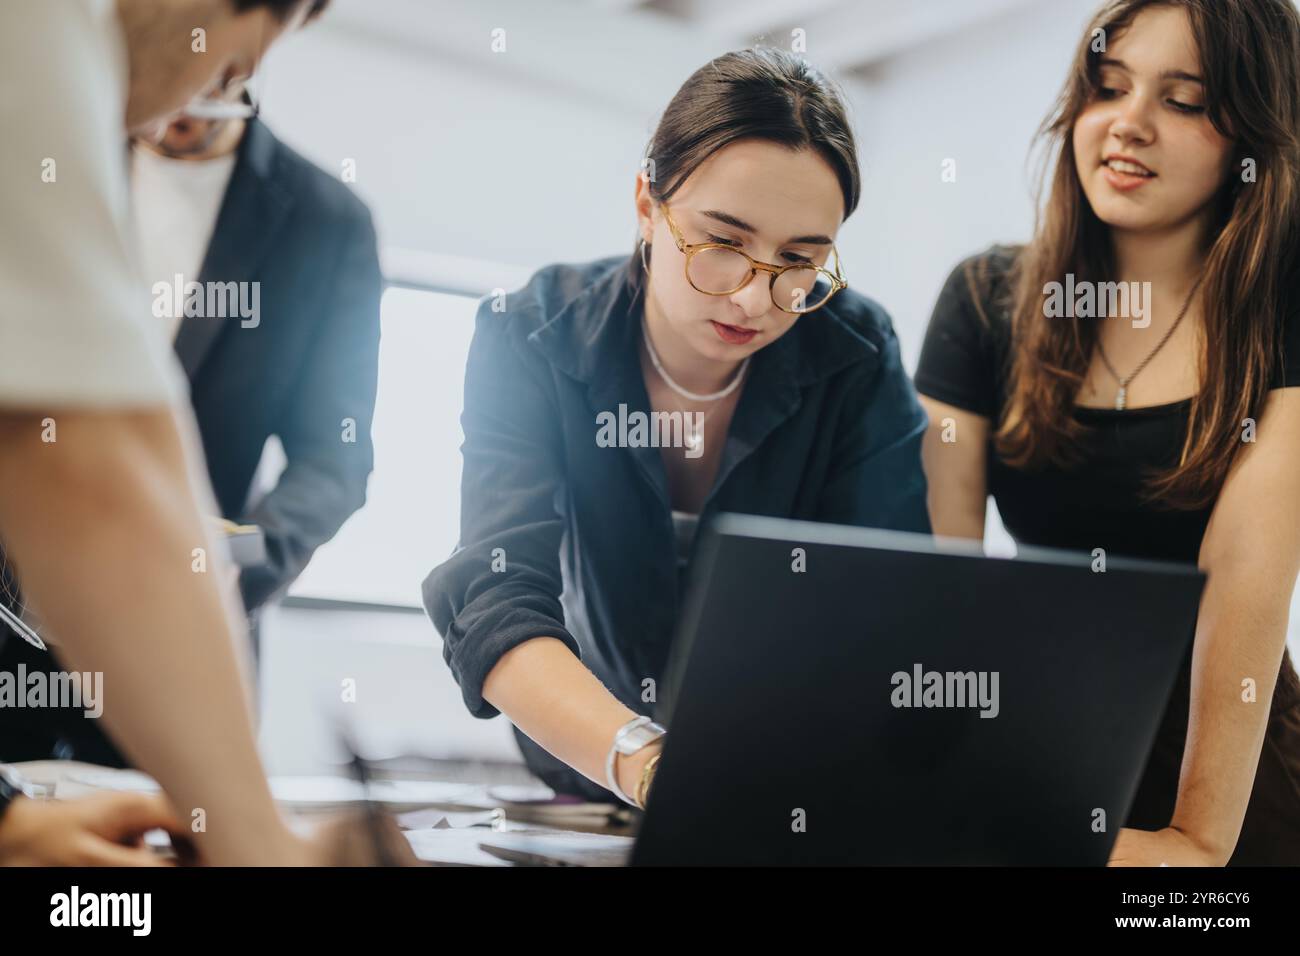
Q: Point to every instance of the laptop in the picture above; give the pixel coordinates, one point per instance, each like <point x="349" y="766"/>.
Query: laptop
<point x="848" y="696"/>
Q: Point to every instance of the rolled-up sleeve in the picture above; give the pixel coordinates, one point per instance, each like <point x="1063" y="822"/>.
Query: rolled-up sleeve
<point x="877" y="480"/>
<point x="501" y="587"/>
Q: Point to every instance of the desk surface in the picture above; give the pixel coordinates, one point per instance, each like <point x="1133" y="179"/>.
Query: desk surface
<point x="437" y="802"/>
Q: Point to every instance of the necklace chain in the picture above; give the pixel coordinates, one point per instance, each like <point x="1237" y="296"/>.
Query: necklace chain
<point x="1121" y="396"/>
<point x="685" y="393"/>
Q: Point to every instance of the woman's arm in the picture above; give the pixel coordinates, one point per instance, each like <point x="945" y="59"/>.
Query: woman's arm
<point x="549" y="695"/>
<point x="1251" y="553"/>
<point x="496" y="601"/>
<point x="954" y="451"/>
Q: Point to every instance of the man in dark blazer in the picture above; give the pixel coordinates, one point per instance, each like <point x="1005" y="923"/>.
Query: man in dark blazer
<point x="297" y="360"/>
<point x="304" y="368"/>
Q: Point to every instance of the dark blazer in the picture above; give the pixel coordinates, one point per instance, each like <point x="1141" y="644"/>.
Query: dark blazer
<point x="827" y="428"/>
<point x="309" y="364"/>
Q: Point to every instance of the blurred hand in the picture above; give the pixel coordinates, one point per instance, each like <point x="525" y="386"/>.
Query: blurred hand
<point x="353" y="840"/>
<point x="106" y="829"/>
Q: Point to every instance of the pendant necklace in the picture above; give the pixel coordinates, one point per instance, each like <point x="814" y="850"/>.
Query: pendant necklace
<point x="694" y="437"/>
<point x="1121" y="396"/>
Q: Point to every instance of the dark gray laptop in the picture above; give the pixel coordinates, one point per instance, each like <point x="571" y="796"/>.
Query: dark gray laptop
<point x="844" y="696"/>
<point x="840" y="695"/>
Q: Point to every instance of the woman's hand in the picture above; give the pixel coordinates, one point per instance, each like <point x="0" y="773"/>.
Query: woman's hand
<point x="106" y="829"/>
<point x="1167" y="847"/>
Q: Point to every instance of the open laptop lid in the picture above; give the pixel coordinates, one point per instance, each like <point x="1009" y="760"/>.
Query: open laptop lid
<point x="801" y="730"/>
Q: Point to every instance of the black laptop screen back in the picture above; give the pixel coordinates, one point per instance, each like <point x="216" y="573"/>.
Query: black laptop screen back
<point x="788" y="742"/>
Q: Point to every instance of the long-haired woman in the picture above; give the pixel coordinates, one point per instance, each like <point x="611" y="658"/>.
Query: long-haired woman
<point x="1171" y="428"/>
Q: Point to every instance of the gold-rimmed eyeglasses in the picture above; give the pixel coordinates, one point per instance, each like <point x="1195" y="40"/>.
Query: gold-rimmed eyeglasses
<point x="716" y="268"/>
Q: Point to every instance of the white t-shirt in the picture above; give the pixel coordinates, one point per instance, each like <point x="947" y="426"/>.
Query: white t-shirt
<point x="175" y="203"/>
<point x="75" y="322"/>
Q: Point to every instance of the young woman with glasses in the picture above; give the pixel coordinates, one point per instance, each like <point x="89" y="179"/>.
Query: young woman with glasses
<point x="1171" y="431"/>
<point x="610" y="407"/>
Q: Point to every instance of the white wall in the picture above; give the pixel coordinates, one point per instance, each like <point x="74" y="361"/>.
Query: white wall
<point x="523" y="157"/>
<point x="402" y="698"/>
<point x="976" y="98"/>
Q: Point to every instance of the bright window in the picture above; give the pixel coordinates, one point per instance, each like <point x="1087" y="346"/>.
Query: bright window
<point x="411" y="519"/>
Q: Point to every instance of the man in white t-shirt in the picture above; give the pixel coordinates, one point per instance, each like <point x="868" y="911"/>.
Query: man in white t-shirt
<point x="102" y="493"/>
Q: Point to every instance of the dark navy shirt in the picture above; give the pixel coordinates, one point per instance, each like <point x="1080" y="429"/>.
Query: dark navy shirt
<point x="562" y="537"/>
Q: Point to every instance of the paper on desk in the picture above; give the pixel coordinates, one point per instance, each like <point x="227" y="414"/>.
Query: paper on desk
<point x="294" y="793"/>
<point x="454" y="846"/>
<point x="559" y="848"/>
<point x="541" y="804"/>
<point x="439" y="819"/>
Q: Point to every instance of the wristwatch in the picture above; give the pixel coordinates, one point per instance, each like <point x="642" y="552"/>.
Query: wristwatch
<point x="634" y="736"/>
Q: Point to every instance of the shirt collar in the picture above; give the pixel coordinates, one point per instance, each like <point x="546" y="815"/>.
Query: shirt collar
<point x="592" y="338"/>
